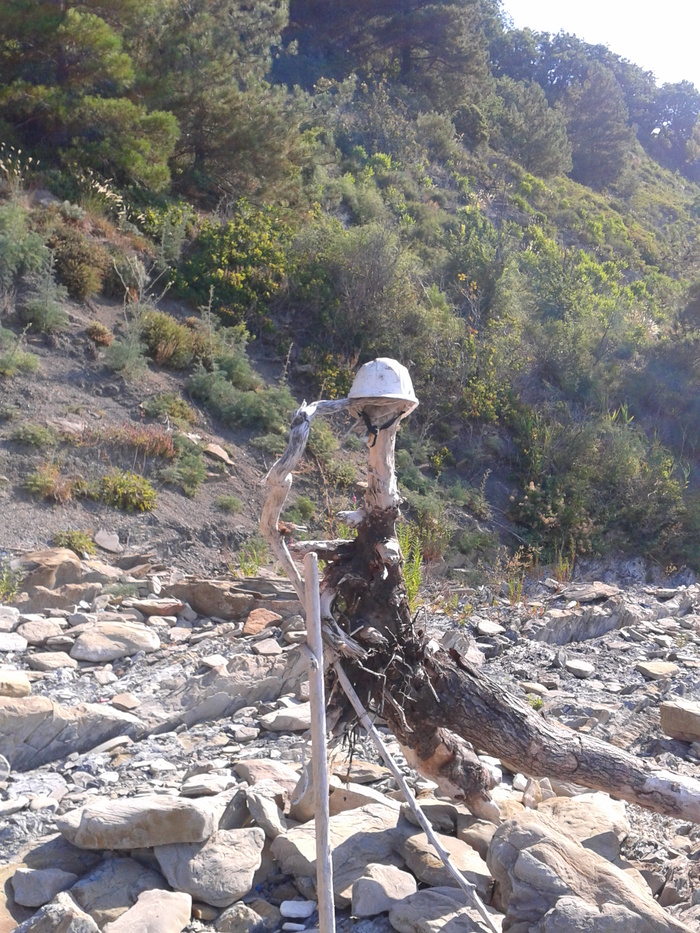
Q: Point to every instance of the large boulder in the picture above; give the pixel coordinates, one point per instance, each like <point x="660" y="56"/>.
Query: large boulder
<point x="218" y="871"/>
<point x="155" y="912"/>
<point x="62" y="915"/>
<point x="108" y="641"/>
<point x="34" y="730"/>
<point x="368" y="834"/>
<point x="51" y="568"/>
<point x="536" y="866"/>
<point x="140" y="822"/>
<point x="113" y="887"/>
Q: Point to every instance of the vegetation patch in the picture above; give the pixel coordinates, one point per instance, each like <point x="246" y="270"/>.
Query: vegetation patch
<point x="79" y="541"/>
<point x="128" y="491"/>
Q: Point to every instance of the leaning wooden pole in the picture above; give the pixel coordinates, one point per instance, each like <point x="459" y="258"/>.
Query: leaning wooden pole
<point x="319" y="760"/>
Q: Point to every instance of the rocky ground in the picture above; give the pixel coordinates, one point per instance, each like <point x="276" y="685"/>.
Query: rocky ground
<point x="154" y="748"/>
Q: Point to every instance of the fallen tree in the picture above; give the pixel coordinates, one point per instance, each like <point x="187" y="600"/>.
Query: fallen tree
<point x="440" y="707"/>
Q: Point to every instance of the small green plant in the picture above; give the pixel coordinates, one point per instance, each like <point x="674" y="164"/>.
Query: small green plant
<point x="252" y="555"/>
<point x="563" y="568"/>
<point x="13" y="359"/>
<point x="409" y="542"/>
<point x="168" y="342"/>
<point x="127" y="354"/>
<point x="188" y="471"/>
<point x="231" y="504"/>
<point x="301" y="510"/>
<point x="127" y="491"/>
<point x="149" y="440"/>
<point x="170" y="406"/>
<point x="78" y="541"/>
<point x="43" y="307"/>
<point x="49" y="483"/>
<point x="35" y="435"/>
<point x="10" y="581"/>
<point x="272" y="444"/>
<point x="535" y="702"/>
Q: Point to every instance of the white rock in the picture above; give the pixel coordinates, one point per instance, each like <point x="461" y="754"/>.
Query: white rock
<point x="298" y="910"/>
<point x="218" y="871"/>
<point x="11" y="641"/>
<point x="379" y="888"/>
<point x="155" y="912"/>
<point x="107" y="641"/>
<point x="36" y="887"/>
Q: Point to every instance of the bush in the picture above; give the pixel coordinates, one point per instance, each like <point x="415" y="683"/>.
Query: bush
<point x="168" y="342"/>
<point x="127" y="354"/>
<point x="99" y="333"/>
<point x="13" y="359"/>
<point x="150" y="440"/>
<point x="49" y="483"/>
<point x="35" y="435"/>
<point x="189" y="470"/>
<point x="126" y="490"/>
<point x="301" y="510"/>
<point x="42" y="308"/>
<point x="231" y="504"/>
<point x="78" y="541"/>
<point x="81" y="263"/>
<point x="269" y="408"/>
<point x="171" y="406"/>
<point x="21" y="250"/>
<point x="10" y="581"/>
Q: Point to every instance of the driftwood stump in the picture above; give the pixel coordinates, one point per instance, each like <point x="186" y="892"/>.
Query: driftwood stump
<point x="440" y="708"/>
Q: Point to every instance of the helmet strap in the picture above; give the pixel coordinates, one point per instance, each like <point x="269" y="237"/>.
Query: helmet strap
<point x="373" y="430"/>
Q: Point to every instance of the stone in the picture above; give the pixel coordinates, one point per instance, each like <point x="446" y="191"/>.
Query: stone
<point x="535" y="866"/>
<point x="576" y="915"/>
<point x="213" y="598"/>
<point x="591" y="592"/>
<point x="595" y="820"/>
<point x="12" y="914"/>
<point x="108" y="641"/>
<point x="62" y="915"/>
<point x="488" y="629"/>
<point x="34" y="731"/>
<point x="114" y="886"/>
<point x="680" y="718"/>
<point x="141" y="822"/>
<point x="581" y="669"/>
<point x="35" y="887"/>
<point x="39" y="631"/>
<point x="476" y="833"/>
<point x="267" y="648"/>
<point x="155" y="912"/>
<point x="378" y="889"/>
<point x="441" y="815"/>
<point x="14" y="684"/>
<point x="56" y="850"/>
<point x="243" y="918"/>
<point x="125" y="701"/>
<point x="265" y="811"/>
<point x="11" y="641"/>
<point x="298" y="910"/>
<point x="9" y="618"/>
<point x="218" y="453"/>
<point x="51" y="661"/>
<point x="657" y="670"/>
<point x="368" y="834"/>
<point x="51" y="568"/>
<point x="428" y="867"/>
<point x="260" y="619"/>
<point x="437" y="909"/>
<point x="296" y="718"/>
<point x="218" y="871"/>
<point x="108" y="541"/>
<point x="165" y="606"/>
<point x="351" y="796"/>
<point x="207" y="785"/>
<point x="253" y="770"/>
<point x="360" y="772"/>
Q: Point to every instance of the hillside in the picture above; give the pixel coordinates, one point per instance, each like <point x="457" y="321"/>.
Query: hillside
<point x="205" y="218"/>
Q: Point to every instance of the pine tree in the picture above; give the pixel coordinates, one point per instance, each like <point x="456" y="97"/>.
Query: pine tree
<point x="597" y="125"/>
<point x="531" y="131"/>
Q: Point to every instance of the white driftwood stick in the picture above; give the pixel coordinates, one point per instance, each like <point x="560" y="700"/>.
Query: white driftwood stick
<point x="279" y="479"/>
<point x="319" y="761"/>
<point x="367" y="723"/>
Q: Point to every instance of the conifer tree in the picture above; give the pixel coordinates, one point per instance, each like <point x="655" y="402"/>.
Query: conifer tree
<point x="531" y="131"/>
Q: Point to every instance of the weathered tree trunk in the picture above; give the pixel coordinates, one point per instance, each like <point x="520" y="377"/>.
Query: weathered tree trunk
<point x="439" y="707"/>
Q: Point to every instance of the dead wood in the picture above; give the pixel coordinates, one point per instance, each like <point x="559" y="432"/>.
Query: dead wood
<point x="439" y="707"/>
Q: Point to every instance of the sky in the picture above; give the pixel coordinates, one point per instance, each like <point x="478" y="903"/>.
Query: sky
<point x="663" y="37"/>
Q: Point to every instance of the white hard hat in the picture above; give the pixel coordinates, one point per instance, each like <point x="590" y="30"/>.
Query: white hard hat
<point x="384" y="379"/>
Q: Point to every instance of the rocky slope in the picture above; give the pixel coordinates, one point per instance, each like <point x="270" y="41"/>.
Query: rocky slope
<point x="154" y="748"/>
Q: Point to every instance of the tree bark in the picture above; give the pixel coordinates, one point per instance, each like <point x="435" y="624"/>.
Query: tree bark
<point x="439" y="707"/>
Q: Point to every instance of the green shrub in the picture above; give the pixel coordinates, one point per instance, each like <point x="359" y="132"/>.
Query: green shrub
<point x="127" y="354"/>
<point x="301" y="510"/>
<point x="168" y="342"/>
<point x="342" y="473"/>
<point x="273" y="444"/>
<point x="126" y="277"/>
<point x="150" y="440"/>
<point x="171" y="406"/>
<point x="49" y="483"/>
<point x="35" y="435"/>
<point x="252" y="555"/>
<point x="230" y="504"/>
<point x="43" y="306"/>
<point x="269" y="408"/>
<point x="21" y="249"/>
<point x="78" y="541"/>
<point x="13" y="359"/>
<point x="188" y="471"/>
<point x="81" y="263"/>
<point x="10" y="581"/>
<point x="126" y="490"/>
<point x="235" y="365"/>
<point x="410" y="543"/>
